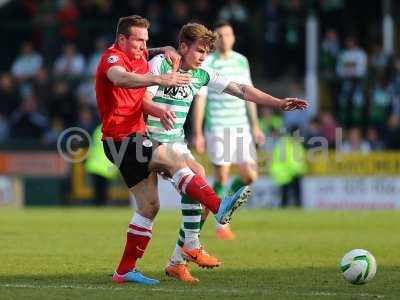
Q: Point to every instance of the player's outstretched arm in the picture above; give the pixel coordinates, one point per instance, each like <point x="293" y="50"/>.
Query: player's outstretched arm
<point x="198" y="141"/>
<point x="122" y="78"/>
<point x="252" y="94"/>
<point x="167" y="117"/>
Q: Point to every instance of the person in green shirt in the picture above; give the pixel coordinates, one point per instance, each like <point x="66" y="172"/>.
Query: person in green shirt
<point x="288" y="165"/>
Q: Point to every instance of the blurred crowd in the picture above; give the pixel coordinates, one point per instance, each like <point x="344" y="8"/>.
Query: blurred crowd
<point x="48" y="66"/>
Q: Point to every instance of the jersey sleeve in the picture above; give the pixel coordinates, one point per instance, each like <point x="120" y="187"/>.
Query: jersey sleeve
<point x="111" y="60"/>
<point x="217" y="81"/>
<point x="155" y="69"/>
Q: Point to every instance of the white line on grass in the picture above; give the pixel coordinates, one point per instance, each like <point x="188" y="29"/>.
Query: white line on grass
<point x="195" y="290"/>
<point x="64" y="286"/>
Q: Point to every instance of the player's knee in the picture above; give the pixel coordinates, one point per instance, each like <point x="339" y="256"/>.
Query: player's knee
<point x="151" y="209"/>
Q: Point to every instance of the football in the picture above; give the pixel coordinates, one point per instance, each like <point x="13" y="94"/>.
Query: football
<point x="358" y="266"/>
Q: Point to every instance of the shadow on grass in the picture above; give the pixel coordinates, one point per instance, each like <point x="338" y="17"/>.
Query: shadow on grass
<point x="306" y="283"/>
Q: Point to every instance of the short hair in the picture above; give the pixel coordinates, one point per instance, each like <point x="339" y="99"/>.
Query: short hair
<point x="222" y="23"/>
<point x="193" y="32"/>
<point x="125" y="23"/>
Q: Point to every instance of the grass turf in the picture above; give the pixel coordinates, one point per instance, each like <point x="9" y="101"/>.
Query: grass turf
<point x="71" y="253"/>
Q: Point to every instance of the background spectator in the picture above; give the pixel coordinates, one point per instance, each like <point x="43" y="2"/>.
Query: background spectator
<point x="70" y="63"/>
<point x="27" y="64"/>
<point x="373" y="139"/>
<point x="26" y="122"/>
<point x="355" y="142"/>
<point x="100" y="45"/>
<point x="352" y="63"/>
<point x="9" y="95"/>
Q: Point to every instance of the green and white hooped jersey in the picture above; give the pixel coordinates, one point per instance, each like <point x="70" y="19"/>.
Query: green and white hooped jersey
<point x="227" y="111"/>
<point x="178" y="99"/>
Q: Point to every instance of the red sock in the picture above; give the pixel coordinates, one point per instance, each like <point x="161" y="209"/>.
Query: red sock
<point x="197" y="188"/>
<point x="137" y="239"/>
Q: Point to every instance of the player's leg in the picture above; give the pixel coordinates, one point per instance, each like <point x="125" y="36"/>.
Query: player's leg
<point x="139" y="231"/>
<point x="221" y="177"/>
<point x="133" y="159"/>
<point x="188" y="245"/>
<point x="243" y="154"/>
<point x="167" y="161"/>
<point x="232" y="202"/>
<point x="248" y="173"/>
<point x="191" y="211"/>
<point x="246" y="159"/>
<point x="220" y="150"/>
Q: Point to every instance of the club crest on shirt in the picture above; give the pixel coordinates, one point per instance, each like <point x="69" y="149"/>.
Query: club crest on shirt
<point x="147" y="143"/>
<point x="112" y="59"/>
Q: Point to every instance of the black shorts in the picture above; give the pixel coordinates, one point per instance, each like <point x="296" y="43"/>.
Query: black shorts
<point x="133" y="162"/>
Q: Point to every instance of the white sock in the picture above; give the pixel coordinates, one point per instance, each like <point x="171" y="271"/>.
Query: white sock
<point x="142" y="221"/>
<point x="181" y="179"/>
<point x="177" y="257"/>
<point x="192" y="239"/>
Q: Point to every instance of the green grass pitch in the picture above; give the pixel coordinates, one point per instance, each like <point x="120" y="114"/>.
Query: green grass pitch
<point x="71" y="253"/>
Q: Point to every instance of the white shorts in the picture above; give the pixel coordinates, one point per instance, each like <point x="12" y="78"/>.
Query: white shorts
<point x="181" y="148"/>
<point x="230" y="146"/>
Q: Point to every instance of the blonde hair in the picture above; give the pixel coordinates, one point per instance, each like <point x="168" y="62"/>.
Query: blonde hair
<point x="193" y="32"/>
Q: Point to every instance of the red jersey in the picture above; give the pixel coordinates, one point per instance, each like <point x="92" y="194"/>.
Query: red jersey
<point x="120" y="108"/>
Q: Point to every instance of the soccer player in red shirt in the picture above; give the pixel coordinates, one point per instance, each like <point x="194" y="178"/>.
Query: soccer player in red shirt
<point x="121" y="78"/>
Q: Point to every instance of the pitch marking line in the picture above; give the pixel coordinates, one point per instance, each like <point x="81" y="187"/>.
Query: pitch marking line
<point x="205" y="290"/>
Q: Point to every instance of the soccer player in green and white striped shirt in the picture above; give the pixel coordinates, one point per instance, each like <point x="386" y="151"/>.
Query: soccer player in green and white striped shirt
<point x="168" y="108"/>
<point x="230" y="123"/>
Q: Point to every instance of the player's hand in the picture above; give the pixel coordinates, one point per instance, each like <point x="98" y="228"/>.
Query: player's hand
<point x="258" y="135"/>
<point x="168" y="119"/>
<point x="172" y="56"/>
<point x="174" y="79"/>
<point x="198" y="143"/>
<point x="293" y="104"/>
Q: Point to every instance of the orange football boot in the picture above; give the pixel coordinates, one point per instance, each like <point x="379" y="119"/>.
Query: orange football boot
<point x="225" y="233"/>
<point x="201" y="257"/>
<point x="180" y="272"/>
